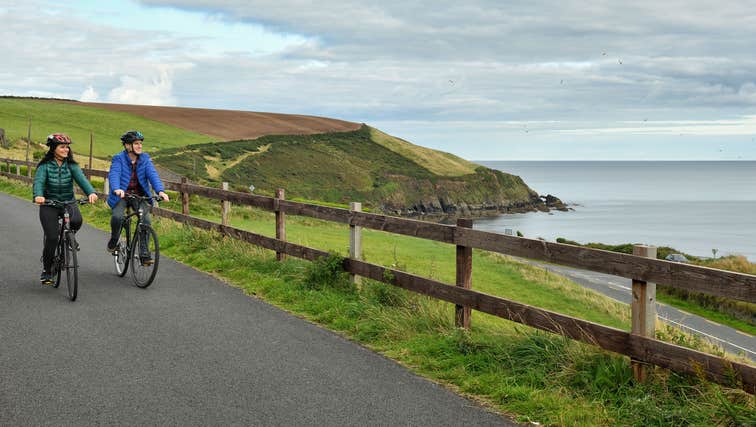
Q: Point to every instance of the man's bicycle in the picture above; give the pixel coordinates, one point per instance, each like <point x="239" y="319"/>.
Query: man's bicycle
<point x="65" y="257"/>
<point x="138" y="245"/>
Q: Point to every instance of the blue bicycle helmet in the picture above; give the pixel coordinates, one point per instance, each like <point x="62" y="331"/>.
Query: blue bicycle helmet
<point x="131" y="136"/>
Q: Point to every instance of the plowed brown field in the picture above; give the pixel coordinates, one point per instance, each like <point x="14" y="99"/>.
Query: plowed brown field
<point x="229" y="125"/>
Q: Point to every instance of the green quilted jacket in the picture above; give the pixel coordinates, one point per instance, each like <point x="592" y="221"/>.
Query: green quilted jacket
<point x="56" y="182"/>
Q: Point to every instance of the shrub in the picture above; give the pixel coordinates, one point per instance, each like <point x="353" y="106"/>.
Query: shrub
<point x="386" y="295"/>
<point x="328" y="273"/>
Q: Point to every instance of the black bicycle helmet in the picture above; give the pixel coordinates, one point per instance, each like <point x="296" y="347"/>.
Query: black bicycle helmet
<point x="131" y="136"/>
<point x="54" y="139"/>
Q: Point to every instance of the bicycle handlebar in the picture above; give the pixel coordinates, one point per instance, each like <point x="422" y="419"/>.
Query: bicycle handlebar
<point x="145" y="198"/>
<point x="57" y="204"/>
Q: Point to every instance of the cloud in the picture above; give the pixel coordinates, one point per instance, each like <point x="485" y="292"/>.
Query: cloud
<point x="89" y="95"/>
<point x="147" y="90"/>
<point x="464" y="67"/>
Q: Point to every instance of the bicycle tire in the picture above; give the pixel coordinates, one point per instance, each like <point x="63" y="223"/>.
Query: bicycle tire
<point x="121" y="258"/>
<point x="143" y="275"/>
<point x="72" y="266"/>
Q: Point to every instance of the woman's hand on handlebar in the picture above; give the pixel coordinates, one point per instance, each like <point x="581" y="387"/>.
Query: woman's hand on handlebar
<point x="92" y="198"/>
<point x="119" y="193"/>
<point x="164" y="196"/>
<point x="39" y="200"/>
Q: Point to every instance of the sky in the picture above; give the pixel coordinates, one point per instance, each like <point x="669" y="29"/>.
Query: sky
<point x="482" y="79"/>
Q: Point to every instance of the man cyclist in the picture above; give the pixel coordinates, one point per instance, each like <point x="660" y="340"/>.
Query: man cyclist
<point x="131" y="172"/>
<point x="53" y="180"/>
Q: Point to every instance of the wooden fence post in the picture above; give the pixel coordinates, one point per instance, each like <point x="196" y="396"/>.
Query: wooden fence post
<point x="106" y="186"/>
<point x="643" y="310"/>
<point x="28" y="144"/>
<point x="464" y="276"/>
<point x="18" y="169"/>
<point x="225" y="206"/>
<point x="280" y="222"/>
<point x="355" y="240"/>
<point x="91" y="142"/>
<point x="184" y="197"/>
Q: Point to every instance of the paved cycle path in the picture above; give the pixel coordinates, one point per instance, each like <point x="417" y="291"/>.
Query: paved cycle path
<point x="189" y="350"/>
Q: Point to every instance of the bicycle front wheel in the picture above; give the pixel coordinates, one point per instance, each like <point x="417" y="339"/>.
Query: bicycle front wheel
<point x="71" y="266"/>
<point x="145" y="256"/>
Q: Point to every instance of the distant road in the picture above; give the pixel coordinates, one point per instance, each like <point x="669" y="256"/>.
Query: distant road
<point x="189" y="350"/>
<point x="619" y="288"/>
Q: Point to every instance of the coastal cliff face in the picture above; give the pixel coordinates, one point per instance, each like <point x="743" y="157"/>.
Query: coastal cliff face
<point x="384" y="173"/>
<point x="487" y="192"/>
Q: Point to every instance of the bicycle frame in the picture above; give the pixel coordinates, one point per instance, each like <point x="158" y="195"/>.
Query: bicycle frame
<point x="140" y="239"/>
<point x="131" y="212"/>
<point x="65" y="257"/>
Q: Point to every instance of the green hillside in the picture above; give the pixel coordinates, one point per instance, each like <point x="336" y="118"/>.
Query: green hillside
<point x="393" y="176"/>
<point x="78" y="120"/>
<point x="438" y="162"/>
<point x="381" y="171"/>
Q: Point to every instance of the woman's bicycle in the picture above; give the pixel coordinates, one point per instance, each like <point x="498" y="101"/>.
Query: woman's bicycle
<point x="138" y="245"/>
<point x="65" y="257"/>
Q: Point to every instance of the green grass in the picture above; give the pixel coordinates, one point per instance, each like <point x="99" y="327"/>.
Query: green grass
<point x="531" y="375"/>
<point x="78" y="120"/>
<point x="435" y="161"/>
<point x="341" y="167"/>
<point x="707" y="313"/>
<point x="736" y="314"/>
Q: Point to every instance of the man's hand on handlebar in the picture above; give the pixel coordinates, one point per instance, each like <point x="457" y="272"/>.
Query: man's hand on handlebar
<point x="164" y="196"/>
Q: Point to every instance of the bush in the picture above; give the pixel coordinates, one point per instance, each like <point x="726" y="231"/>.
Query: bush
<point x="328" y="273"/>
<point x="386" y="295"/>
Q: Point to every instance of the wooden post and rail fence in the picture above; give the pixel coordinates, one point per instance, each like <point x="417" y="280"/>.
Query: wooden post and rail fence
<point x="642" y="268"/>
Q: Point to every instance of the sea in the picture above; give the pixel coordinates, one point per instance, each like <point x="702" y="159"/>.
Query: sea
<point x="703" y="208"/>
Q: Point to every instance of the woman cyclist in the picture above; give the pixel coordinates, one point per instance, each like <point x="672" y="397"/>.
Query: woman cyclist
<point x="54" y="179"/>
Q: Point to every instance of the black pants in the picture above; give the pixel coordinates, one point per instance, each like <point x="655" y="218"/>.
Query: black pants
<point x="48" y="216"/>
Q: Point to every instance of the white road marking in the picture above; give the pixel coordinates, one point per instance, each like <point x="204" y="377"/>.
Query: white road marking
<point x="712" y="337"/>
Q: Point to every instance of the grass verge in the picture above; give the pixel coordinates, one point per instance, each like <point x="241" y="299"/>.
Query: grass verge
<point x="531" y="375"/>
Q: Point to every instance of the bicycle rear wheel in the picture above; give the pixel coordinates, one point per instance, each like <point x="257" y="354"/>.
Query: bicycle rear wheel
<point x="121" y="256"/>
<point x="71" y="266"/>
<point x="145" y="256"/>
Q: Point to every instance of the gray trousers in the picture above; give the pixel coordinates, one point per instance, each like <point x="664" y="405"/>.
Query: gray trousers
<point x="119" y="211"/>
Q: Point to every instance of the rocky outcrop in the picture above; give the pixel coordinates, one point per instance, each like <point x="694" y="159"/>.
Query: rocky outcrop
<point x="448" y="208"/>
<point x="488" y="192"/>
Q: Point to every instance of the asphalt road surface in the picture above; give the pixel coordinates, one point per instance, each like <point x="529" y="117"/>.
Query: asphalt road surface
<point x="189" y="350"/>
<point x="619" y="288"/>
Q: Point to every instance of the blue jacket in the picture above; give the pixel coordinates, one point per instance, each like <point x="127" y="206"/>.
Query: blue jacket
<point x="120" y="175"/>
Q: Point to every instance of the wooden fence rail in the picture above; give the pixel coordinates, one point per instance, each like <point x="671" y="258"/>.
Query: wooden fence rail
<point x="641" y="349"/>
<point x="689" y="277"/>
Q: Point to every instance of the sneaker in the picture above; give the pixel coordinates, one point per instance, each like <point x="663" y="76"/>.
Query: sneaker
<point x="46" y="278"/>
<point x="146" y="260"/>
<point x="112" y="246"/>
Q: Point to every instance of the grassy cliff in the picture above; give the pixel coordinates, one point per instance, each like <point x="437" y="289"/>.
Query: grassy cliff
<point x="365" y="165"/>
<point x="383" y="172"/>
